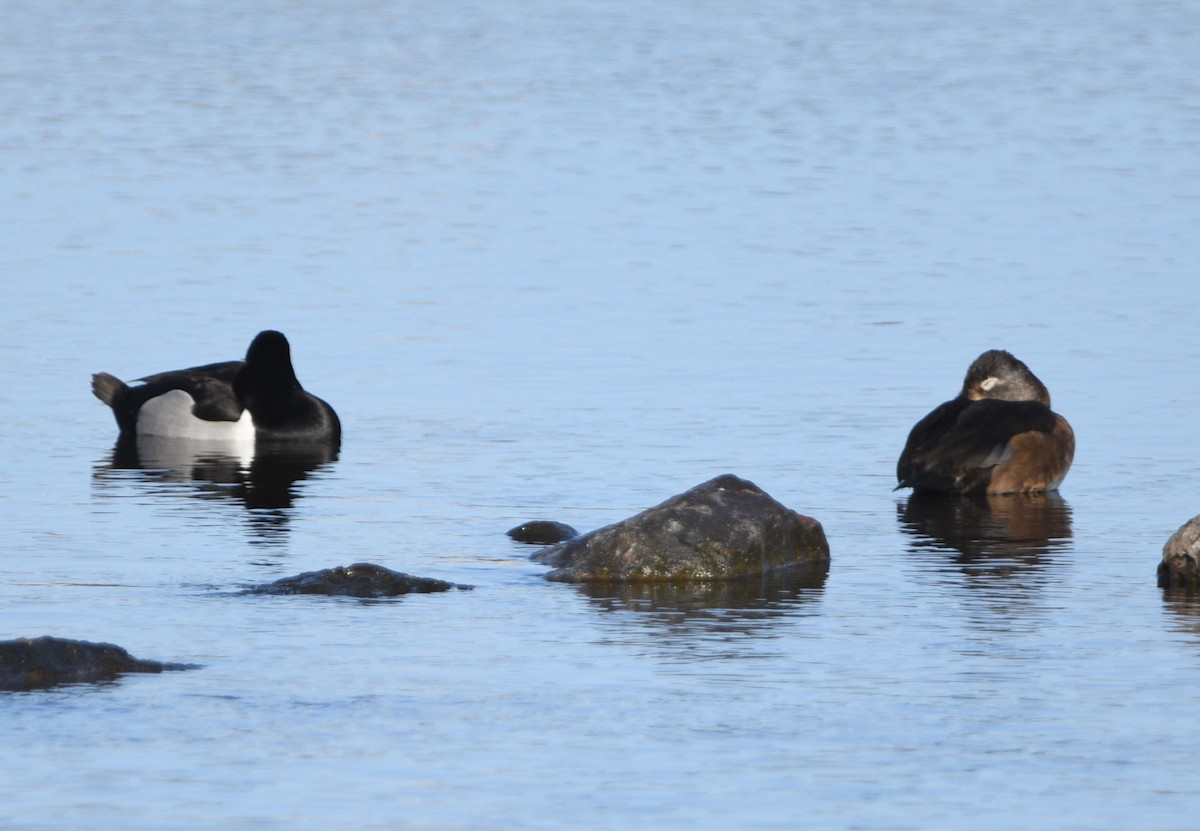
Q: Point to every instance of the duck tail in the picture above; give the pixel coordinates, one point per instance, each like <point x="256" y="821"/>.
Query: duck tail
<point x="108" y="388"/>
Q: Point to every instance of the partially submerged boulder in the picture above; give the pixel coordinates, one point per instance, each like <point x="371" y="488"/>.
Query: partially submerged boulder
<point x="1181" y="556"/>
<point x="725" y="528"/>
<point x="37" y="663"/>
<point x="542" y="532"/>
<point x="358" y="580"/>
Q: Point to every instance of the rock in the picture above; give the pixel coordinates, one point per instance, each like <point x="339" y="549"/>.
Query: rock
<point x="727" y="527"/>
<point x="358" y="580"/>
<point x="542" y="532"/>
<point x="1181" y="556"/>
<point x="37" y="663"/>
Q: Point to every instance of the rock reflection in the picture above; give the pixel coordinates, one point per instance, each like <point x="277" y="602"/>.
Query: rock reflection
<point x="1184" y="603"/>
<point x="262" y="480"/>
<point x="711" y="619"/>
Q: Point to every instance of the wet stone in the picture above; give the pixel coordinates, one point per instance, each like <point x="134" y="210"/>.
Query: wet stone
<point x="722" y="529"/>
<point x="1181" y="556"/>
<point x="542" y="532"/>
<point x="38" y="663"/>
<point x="358" y="580"/>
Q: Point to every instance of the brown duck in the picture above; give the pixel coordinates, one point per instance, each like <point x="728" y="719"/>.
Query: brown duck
<point x="998" y="436"/>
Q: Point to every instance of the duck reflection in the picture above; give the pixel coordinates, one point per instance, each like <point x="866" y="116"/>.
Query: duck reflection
<point x="711" y="618"/>
<point x="1017" y="529"/>
<point x="262" y="479"/>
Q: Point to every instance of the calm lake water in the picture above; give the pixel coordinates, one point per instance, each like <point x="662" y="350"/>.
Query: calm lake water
<point x="564" y="260"/>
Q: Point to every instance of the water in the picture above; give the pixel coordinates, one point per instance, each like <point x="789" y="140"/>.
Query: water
<point x="565" y="260"/>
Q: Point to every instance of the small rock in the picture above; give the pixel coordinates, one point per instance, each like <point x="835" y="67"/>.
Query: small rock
<point x="37" y="663"/>
<point x="727" y="527"/>
<point x="358" y="580"/>
<point x="1181" y="556"/>
<point x="542" y="532"/>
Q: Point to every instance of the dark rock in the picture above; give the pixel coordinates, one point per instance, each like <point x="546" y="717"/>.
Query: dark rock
<point x="727" y="527"/>
<point x="29" y="664"/>
<point x="1181" y="556"/>
<point x="542" y="532"/>
<point x="358" y="580"/>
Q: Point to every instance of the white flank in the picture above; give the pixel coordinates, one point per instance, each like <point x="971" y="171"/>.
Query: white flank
<point x="170" y="416"/>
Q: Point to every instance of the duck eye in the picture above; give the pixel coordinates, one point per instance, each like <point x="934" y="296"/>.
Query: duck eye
<point x="987" y="383"/>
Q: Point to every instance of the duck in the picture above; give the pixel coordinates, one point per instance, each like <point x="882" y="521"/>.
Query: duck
<point x="999" y="436"/>
<point x="256" y="400"/>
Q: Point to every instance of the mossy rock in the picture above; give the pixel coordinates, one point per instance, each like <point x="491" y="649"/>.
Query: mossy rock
<point x="724" y="528"/>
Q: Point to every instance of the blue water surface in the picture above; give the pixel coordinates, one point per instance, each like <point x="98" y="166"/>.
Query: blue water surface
<point x="564" y="260"/>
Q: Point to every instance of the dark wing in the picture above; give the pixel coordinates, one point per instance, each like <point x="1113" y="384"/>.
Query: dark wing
<point x="223" y="371"/>
<point x="924" y="435"/>
<point x="211" y="386"/>
<point x="956" y="446"/>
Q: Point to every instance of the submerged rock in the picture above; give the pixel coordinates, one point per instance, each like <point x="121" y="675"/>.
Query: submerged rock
<point x="358" y="580"/>
<point x="37" y="663"/>
<point x="1181" y="556"/>
<point x="542" y="532"/>
<point x="727" y="527"/>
